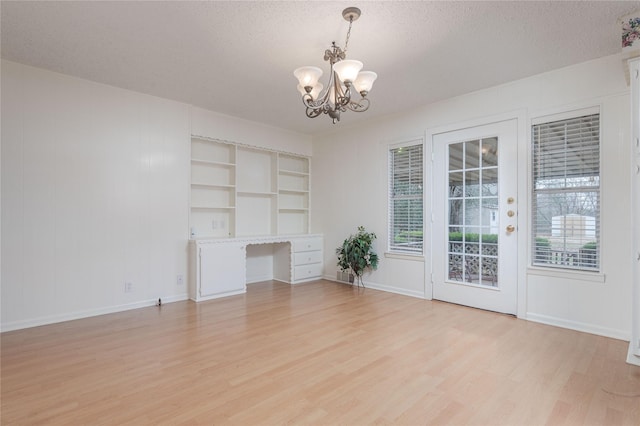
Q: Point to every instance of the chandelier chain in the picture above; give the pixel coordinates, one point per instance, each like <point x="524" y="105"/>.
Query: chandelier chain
<point x="346" y="43"/>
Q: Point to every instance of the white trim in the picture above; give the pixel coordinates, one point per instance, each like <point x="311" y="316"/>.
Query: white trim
<point x="247" y="145"/>
<point x="405" y="256"/>
<point x="631" y="357"/>
<point x="35" y="322"/>
<point x="556" y="114"/>
<point x="388" y="147"/>
<point x="388" y="289"/>
<point x="579" y="326"/>
<point x="520" y="115"/>
<point x="566" y="113"/>
<point x="476" y="122"/>
<point x="418" y="140"/>
<point x="568" y="274"/>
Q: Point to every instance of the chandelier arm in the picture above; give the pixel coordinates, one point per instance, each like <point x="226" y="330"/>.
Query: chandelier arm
<point x="307" y="100"/>
<point x="313" y="112"/>
<point x="360" y="106"/>
<point x="345" y="97"/>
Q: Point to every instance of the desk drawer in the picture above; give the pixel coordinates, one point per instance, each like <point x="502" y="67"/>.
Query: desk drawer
<point x="307" y="257"/>
<point x="304" y="272"/>
<point x="307" y="244"/>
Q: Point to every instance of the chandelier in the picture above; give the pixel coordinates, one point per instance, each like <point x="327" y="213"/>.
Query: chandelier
<point x="344" y="77"/>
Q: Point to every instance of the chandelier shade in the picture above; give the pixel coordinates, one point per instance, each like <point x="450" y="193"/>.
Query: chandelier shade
<point x="347" y="70"/>
<point x="344" y="74"/>
<point x="364" y="82"/>
<point x="308" y="76"/>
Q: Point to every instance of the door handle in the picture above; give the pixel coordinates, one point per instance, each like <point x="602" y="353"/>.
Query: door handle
<point x="511" y="228"/>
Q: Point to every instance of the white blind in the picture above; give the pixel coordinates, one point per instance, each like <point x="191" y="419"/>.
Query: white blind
<point x="405" y="199"/>
<point x="566" y="193"/>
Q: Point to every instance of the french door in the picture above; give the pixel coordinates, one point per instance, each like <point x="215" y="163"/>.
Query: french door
<point x="474" y="214"/>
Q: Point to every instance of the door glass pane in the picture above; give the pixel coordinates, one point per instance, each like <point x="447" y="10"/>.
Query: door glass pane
<point x="455" y="267"/>
<point x="455" y="212"/>
<point x="456" y="154"/>
<point x="472" y="155"/>
<point x="490" y="182"/>
<point x="455" y="184"/>
<point x="472" y="183"/>
<point x="472" y="267"/>
<point x="473" y="212"/>
<point x="489" y="152"/>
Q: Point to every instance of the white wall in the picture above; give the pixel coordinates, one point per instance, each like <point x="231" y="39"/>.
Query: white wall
<point x="95" y="193"/>
<point x="219" y="126"/>
<point x="350" y="186"/>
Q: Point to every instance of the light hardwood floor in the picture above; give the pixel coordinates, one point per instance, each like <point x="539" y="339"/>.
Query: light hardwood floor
<point x="319" y="353"/>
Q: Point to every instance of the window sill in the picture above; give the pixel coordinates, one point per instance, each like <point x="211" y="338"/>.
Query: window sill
<point x="597" y="277"/>
<point x="405" y="256"/>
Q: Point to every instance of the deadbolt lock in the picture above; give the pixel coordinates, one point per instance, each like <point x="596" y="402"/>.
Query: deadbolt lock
<point x="511" y="213"/>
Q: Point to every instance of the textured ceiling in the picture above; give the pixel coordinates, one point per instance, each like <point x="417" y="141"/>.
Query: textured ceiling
<point x="237" y="58"/>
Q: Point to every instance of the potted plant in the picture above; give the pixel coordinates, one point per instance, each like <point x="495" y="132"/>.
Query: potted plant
<point x="356" y="254"/>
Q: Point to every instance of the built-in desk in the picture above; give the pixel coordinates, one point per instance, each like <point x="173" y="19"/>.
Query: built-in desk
<point x="218" y="266"/>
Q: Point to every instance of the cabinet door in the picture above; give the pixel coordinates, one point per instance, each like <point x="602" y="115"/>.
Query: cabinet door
<point x="222" y="269"/>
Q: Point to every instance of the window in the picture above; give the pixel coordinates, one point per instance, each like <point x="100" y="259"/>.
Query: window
<point x="405" y="199"/>
<point x="566" y="193"/>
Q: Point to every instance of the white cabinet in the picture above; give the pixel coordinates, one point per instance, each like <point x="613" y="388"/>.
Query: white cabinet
<point x="219" y="270"/>
<point x="306" y="259"/>
<point x="241" y="191"/>
<point x="219" y="265"/>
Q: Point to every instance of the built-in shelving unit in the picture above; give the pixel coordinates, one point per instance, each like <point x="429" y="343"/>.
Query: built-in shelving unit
<point x="239" y="191"/>
<point x="293" y="194"/>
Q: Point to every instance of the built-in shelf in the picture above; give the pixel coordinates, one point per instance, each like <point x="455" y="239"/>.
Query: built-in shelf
<point x="212" y="208"/>
<point x="292" y="173"/>
<point x="211" y="163"/>
<point x="238" y="190"/>
<point x="210" y="185"/>
<point x="293" y="210"/>
<point x="293" y="191"/>
<point x="257" y="193"/>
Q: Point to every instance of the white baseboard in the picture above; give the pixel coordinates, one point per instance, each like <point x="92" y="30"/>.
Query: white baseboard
<point x="632" y="358"/>
<point x="52" y="319"/>
<point x="259" y="278"/>
<point x="396" y="290"/>
<point x="579" y="326"/>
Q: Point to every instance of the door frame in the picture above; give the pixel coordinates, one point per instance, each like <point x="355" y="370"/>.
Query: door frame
<point x="523" y="173"/>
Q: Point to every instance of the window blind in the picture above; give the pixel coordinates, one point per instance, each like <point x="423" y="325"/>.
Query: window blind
<point x="566" y="193"/>
<point x="405" y="199"/>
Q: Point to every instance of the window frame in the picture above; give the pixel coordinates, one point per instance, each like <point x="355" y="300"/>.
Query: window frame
<point x="393" y="249"/>
<point x="550" y="269"/>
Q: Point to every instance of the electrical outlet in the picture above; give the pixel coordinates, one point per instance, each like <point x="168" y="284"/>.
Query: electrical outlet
<point x="128" y="287"/>
<point x="180" y="280"/>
